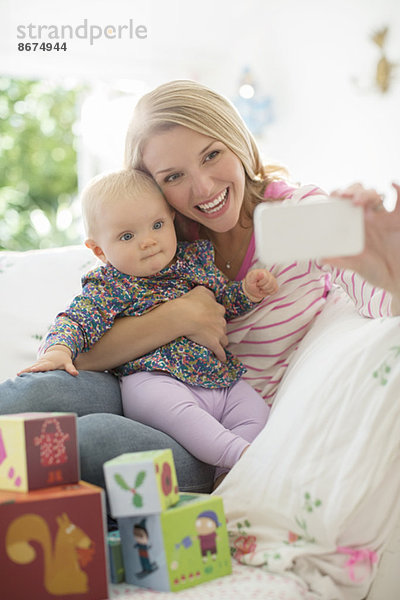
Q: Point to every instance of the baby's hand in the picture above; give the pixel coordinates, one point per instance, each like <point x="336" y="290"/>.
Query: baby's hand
<point x="56" y="357"/>
<point x="259" y="283"/>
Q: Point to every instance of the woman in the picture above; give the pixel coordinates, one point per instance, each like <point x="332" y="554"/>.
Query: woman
<point x="194" y="144"/>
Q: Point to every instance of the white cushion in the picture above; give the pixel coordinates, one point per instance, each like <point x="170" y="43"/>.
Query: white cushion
<point x="35" y="286"/>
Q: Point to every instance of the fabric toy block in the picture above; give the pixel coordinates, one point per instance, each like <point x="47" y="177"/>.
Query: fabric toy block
<point x="141" y="483"/>
<point x="38" y="450"/>
<point x="52" y="543"/>
<point x="179" y="548"/>
<point x="116" y="562"/>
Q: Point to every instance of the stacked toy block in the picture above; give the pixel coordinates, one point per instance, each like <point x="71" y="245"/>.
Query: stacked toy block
<point x="170" y="540"/>
<point x="52" y="530"/>
<point x="116" y="561"/>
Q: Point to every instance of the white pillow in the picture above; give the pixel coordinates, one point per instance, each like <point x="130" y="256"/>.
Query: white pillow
<point x="35" y="286"/>
<point x="317" y="494"/>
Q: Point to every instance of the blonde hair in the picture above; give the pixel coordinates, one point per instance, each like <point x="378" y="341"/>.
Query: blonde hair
<point x="193" y="105"/>
<point x="108" y="187"/>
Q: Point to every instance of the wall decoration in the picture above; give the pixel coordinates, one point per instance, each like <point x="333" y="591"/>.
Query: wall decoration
<point x="384" y="73"/>
<point x="255" y="107"/>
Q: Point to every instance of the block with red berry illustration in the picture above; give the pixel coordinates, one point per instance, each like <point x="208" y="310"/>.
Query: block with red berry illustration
<point x="38" y="450"/>
<point x="52" y="543"/>
<point x="181" y="547"/>
<point x="141" y="483"/>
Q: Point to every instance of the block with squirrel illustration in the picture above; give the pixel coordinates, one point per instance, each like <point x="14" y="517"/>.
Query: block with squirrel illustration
<point x="52" y="543"/>
<point x="38" y="450"/>
<point x="141" y="483"/>
<point x="181" y="547"/>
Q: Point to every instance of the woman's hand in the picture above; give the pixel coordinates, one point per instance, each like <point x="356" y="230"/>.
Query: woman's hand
<point x="368" y="198"/>
<point x="203" y="320"/>
<point x="379" y="263"/>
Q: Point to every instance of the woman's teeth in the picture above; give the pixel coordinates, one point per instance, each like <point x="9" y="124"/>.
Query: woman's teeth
<point x="214" y="205"/>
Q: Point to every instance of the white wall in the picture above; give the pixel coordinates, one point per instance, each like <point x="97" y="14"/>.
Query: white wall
<point x="314" y="57"/>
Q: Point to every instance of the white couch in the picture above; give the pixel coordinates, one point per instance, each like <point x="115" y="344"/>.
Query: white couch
<point x="36" y="285"/>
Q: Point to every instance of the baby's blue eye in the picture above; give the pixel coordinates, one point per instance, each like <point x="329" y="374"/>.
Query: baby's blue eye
<point x="126" y="237"/>
<point x="158" y="225"/>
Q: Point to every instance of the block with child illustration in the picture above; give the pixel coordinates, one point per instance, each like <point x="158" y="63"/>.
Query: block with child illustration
<point x="141" y="483"/>
<point x="181" y="547"/>
<point x="52" y="543"/>
<point x="38" y="450"/>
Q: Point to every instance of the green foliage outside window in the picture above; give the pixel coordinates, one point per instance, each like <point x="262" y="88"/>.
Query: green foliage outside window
<point x="38" y="164"/>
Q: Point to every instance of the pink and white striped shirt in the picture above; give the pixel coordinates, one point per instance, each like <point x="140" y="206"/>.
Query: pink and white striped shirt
<point x="266" y="338"/>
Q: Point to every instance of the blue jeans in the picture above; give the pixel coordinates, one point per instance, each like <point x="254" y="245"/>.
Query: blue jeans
<point x="103" y="432"/>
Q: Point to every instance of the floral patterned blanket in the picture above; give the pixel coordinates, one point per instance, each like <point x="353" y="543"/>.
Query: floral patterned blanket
<point x="316" y="496"/>
<point x="243" y="584"/>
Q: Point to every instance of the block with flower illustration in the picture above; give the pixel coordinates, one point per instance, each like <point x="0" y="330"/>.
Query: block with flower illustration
<point x="178" y="548"/>
<point x="141" y="483"/>
<point x="38" y="450"/>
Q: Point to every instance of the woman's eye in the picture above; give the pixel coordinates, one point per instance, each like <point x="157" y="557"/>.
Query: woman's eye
<point x="212" y="155"/>
<point x="126" y="237"/>
<point x="172" y="178"/>
<point x="158" y="225"/>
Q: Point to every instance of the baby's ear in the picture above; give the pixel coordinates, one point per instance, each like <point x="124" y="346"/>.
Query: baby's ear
<point x="97" y="251"/>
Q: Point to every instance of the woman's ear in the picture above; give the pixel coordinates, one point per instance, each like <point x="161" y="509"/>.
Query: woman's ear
<point x="97" y="251"/>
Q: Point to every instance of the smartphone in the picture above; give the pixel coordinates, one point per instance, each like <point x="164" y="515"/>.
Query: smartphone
<point x="310" y="230"/>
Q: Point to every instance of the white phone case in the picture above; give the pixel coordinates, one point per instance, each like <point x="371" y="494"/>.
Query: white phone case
<point x="309" y="230"/>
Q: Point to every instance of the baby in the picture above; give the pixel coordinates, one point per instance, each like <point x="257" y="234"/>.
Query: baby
<point x="180" y="388"/>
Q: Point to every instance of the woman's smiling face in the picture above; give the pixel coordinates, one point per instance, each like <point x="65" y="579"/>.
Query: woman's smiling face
<point x="200" y="176"/>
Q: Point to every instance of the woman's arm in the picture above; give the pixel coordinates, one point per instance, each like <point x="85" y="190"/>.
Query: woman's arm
<point x="379" y="263"/>
<point x="195" y="315"/>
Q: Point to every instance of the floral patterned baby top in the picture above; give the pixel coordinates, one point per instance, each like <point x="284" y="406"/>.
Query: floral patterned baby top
<point x="107" y="294"/>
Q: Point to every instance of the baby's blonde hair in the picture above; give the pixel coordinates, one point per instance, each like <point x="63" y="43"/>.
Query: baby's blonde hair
<point x="108" y="187"/>
<point x="197" y="107"/>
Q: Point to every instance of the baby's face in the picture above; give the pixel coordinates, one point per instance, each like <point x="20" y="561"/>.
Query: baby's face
<point x="137" y="234"/>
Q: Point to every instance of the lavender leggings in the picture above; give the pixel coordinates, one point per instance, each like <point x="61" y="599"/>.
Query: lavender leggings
<point x="214" y="425"/>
